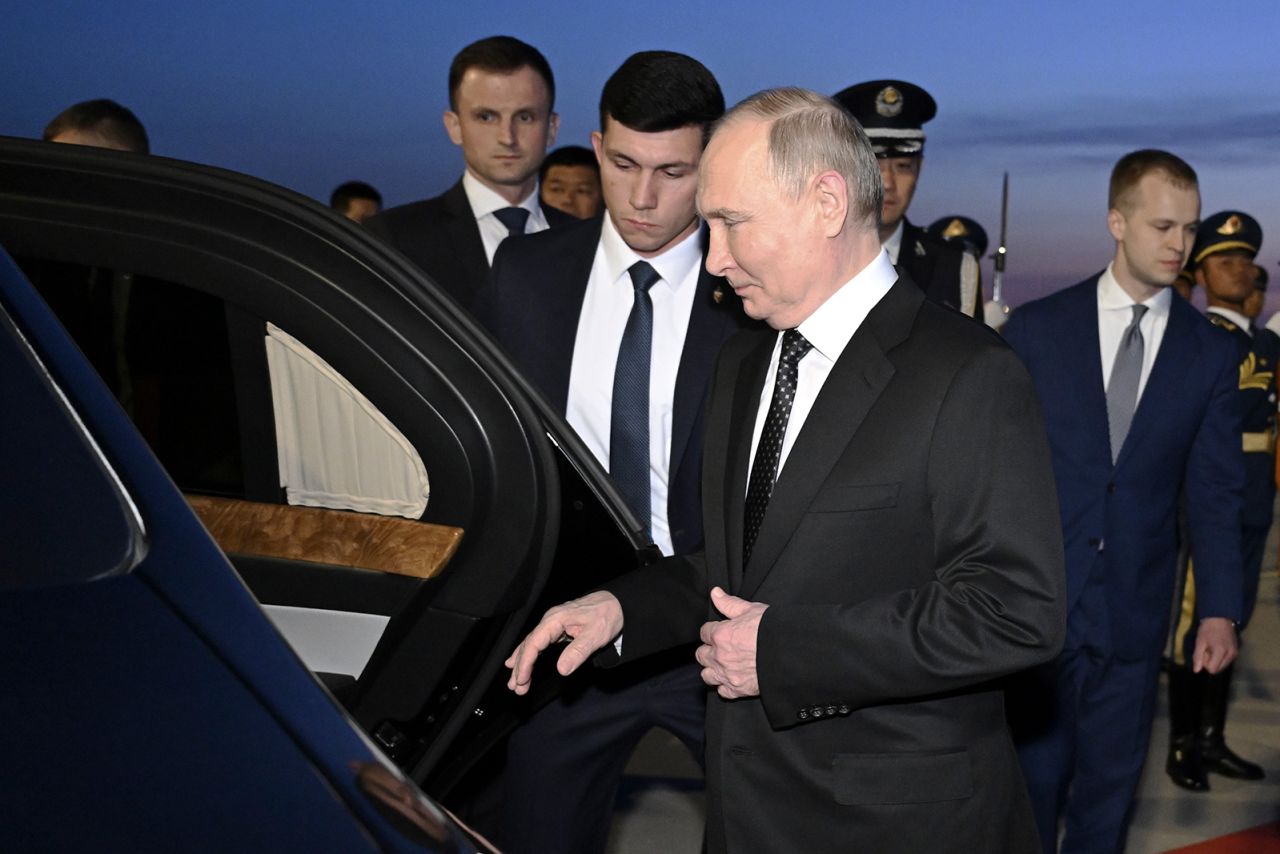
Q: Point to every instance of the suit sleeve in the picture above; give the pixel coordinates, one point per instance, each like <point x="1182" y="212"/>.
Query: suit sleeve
<point x="995" y="604"/>
<point x="663" y="606"/>
<point x="1215" y="496"/>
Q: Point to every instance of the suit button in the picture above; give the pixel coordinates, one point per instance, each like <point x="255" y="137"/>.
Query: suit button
<point x="1111" y="488"/>
<point x="816" y="711"/>
<point x="844" y="710"/>
<point x="1093" y="541"/>
<point x="803" y="715"/>
<point x="831" y="710"/>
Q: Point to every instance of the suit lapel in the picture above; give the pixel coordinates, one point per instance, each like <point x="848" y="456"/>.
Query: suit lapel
<point x="746" y="403"/>
<point x="1087" y="377"/>
<point x="561" y="294"/>
<point x="706" y="332"/>
<point x="852" y="388"/>
<point x="464" y="236"/>
<point x="1179" y="349"/>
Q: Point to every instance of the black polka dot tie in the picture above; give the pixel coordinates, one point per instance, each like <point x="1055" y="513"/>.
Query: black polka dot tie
<point x="764" y="469"/>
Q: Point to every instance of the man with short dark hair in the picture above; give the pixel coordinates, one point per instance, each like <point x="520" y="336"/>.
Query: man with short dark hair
<point x="356" y="200"/>
<point x="570" y="181"/>
<point x="893" y="113"/>
<point x="501" y="99"/>
<point x="1222" y="259"/>
<point x="1138" y="394"/>
<point x="616" y="320"/>
<point x="881" y="535"/>
<point x="101" y="123"/>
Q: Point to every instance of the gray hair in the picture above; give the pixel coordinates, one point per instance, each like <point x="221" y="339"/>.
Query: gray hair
<point x="809" y="134"/>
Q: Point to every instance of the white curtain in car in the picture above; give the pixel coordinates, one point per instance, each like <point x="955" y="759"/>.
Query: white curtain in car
<point x="336" y="449"/>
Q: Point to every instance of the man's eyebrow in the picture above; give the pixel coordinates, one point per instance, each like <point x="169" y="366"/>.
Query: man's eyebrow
<point x="724" y="213"/>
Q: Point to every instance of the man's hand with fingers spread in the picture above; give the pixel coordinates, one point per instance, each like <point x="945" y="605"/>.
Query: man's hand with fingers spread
<point x="588" y="624"/>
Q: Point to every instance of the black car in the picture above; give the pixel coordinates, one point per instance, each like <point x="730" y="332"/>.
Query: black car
<point x="388" y="493"/>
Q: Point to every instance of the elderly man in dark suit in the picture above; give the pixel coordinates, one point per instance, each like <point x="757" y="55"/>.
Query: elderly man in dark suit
<point x="501" y="99"/>
<point x="617" y="321"/>
<point x="881" y="530"/>
<point x="1138" y="392"/>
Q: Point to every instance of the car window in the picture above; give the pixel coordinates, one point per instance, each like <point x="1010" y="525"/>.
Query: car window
<point x="72" y="528"/>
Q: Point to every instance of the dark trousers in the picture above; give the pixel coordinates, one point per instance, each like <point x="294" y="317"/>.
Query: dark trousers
<point x="565" y="764"/>
<point x="1082" y="724"/>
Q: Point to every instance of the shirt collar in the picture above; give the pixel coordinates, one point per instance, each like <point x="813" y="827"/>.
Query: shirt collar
<point x="833" y="323"/>
<point x="1234" y="316"/>
<point x="1111" y="297"/>
<point x="485" y="201"/>
<point x="894" y="244"/>
<point x="672" y="265"/>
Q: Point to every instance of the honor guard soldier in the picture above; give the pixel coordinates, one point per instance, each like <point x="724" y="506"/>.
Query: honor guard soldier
<point x="1222" y="259"/>
<point x="893" y="113"/>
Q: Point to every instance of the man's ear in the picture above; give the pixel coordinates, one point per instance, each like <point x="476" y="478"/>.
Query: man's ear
<point x="553" y="127"/>
<point x="831" y="196"/>
<point x="597" y="145"/>
<point x="453" y="126"/>
<point x="1116" y="224"/>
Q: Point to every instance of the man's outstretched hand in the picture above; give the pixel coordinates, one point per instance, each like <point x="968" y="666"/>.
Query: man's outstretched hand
<point x="588" y="623"/>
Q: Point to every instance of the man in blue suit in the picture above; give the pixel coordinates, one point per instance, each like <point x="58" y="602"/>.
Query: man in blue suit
<point x="1137" y="390"/>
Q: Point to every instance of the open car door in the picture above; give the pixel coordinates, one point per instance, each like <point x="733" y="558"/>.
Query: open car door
<point x="395" y="496"/>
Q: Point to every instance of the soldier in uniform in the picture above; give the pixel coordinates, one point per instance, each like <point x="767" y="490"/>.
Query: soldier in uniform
<point x="893" y="114"/>
<point x="1222" y="259"/>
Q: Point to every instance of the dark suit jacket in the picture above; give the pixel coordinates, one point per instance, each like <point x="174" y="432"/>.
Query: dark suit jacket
<point x="1186" y="431"/>
<point x="934" y="265"/>
<point x="532" y="305"/>
<point x="440" y="235"/>
<point x="909" y="555"/>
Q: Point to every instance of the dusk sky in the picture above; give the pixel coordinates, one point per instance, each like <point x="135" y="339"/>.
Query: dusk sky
<point x="309" y="94"/>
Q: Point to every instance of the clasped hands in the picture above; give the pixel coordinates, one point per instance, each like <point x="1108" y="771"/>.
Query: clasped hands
<point x="727" y="654"/>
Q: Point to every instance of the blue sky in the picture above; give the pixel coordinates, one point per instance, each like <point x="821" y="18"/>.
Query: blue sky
<point x="309" y="94"/>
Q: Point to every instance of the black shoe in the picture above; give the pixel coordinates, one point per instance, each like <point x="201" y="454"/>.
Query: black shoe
<point x="1184" y="767"/>
<point x="1220" y="759"/>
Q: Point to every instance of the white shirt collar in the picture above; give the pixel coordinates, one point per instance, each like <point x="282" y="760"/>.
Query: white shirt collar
<point x="1112" y="297"/>
<point x="672" y="265"/>
<point x="833" y="323"/>
<point x="485" y="201"/>
<point x="894" y="244"/>
<point x="1234" y="316"/>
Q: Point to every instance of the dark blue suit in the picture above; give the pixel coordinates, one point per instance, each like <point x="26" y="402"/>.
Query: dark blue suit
<point x="565" y="764"/>
<point x="1087" y="721"/>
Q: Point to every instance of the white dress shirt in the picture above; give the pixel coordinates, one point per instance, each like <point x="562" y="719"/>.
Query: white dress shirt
<point x="485" y="201"/>
<point x="606" y="305"/>
<point x="1115" y="313"/>
<point x="894" y="244"/>
<point x="829" y="330"/>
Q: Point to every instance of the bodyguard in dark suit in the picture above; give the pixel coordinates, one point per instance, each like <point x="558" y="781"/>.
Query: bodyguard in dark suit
<point x="501" y="95"/>
<point x="878" y="503"/>
<point x="893" y="113"/>
<point x="618" y="322"/>
<point x="1137" y="390"/>
<point x="1223" y="264"/>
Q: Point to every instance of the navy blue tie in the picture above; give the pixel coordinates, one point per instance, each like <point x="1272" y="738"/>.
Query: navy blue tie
<point x="764" y="470"/>
<point x="513" y="218"/>
<point x="629" y="421"/>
